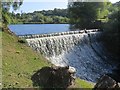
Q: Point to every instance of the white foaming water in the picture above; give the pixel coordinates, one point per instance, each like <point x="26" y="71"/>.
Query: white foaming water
<point x="81" y="51"/>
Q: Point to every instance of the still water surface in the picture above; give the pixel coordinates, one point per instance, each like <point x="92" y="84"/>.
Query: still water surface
<point x="22" y="29"/>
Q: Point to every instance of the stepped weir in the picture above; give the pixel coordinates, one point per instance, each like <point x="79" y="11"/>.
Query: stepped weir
<point x="80" y="49"/>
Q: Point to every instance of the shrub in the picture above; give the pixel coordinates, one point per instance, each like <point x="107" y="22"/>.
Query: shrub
<point x="22" y="40"/>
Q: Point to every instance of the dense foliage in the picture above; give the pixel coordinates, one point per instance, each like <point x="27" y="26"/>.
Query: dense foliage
<point x="44" y="16"/>
<point x="112" y="29"/>
<point x="87" y="14"/>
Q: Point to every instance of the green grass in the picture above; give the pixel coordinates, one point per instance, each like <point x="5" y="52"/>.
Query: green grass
<point x="0" y="59"/>
<point x="19" y="63"/>
<point x="0" y="24"/>
<point x="84" y="84"/>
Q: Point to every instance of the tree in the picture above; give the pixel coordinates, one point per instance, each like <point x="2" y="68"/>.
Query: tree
<point x="5" y="9"/>
<point x="112" y="30"/>
<point x="85" y="14"/>
<point x="39" y="18"/>
<point x="44" y="16"/>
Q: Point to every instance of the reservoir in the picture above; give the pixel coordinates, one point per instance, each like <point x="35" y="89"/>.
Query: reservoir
<point x="22" y="29"/>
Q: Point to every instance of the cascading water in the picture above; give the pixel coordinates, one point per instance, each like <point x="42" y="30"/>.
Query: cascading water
<point x="80" y="50"/>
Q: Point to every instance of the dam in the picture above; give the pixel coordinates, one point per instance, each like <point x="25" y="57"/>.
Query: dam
<point x="80" y="49"/>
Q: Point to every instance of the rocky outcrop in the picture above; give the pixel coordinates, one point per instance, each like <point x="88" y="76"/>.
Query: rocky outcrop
<point x="54" y="77"/>
<point x="106" y="82"/>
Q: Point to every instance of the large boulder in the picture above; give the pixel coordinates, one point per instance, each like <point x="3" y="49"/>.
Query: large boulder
<point x="106" y="82"/>
<point x="54" y="77"/>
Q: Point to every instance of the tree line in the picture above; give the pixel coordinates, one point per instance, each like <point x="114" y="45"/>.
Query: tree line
<point x="42" y="17"/>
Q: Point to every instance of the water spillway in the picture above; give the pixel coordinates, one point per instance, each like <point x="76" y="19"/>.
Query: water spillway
<point x="80" y="49"/>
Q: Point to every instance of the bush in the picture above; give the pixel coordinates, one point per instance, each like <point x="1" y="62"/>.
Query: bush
<point x="111" y="35"/>
<point x="22" y="40"/>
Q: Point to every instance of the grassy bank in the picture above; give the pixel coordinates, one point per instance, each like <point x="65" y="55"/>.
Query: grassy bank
<point x="20" y="62"/>
<point x="84" y="84"/>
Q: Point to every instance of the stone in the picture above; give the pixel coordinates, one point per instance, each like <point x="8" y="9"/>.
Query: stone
<point x="119" y="84"/>
<point x="17" y="83"/>
<point x="18" y="52"/>
<point x="54" y="77"/>
<point x="72" y="70"/>
<point x="105" y="82"/>
<point x="22" y="48"/>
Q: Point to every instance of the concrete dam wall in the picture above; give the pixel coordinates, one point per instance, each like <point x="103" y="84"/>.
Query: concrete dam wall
<point x="80" y="49"/>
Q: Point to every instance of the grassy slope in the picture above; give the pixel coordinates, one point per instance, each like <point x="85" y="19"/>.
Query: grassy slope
<point x="0" y="59"/>
<point x="84" y="84"/>
<point x="19" y="63"/>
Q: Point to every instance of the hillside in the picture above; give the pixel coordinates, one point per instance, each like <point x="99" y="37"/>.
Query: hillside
<point x="20" y="62"/>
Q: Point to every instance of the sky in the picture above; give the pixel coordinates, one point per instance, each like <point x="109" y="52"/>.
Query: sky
<point x="38" y="5"/>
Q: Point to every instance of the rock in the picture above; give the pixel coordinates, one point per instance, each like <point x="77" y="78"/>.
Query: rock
<point x="22" y="48"/>
<point x="20" y="75"/>
<point x="72" y="70"/>
<point x="18" y="52"/>
<point x="54" y="77"/>
<point x="119" y="85"/>
<point x="10" y="75"/>
<point x="105" y="82"/>
<point x="17" y="83"/>
<point x="10" y="85"/>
